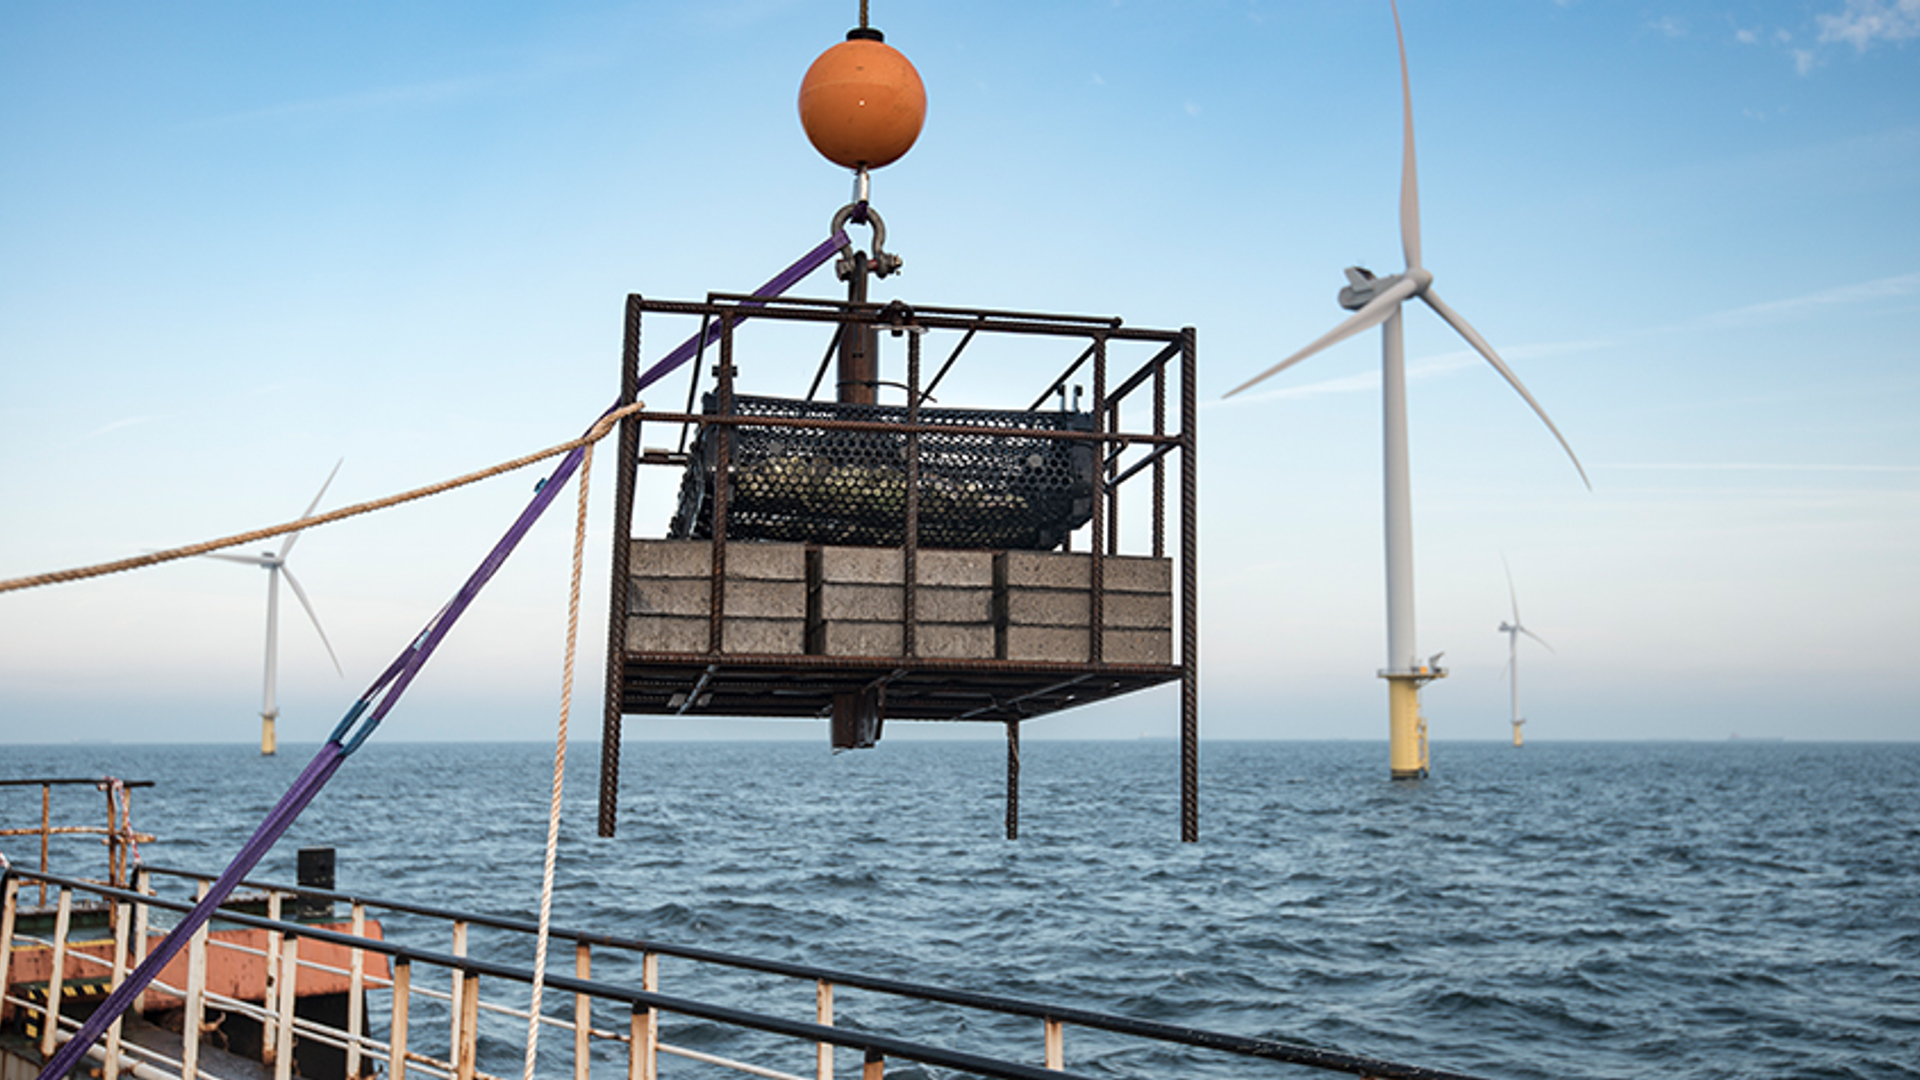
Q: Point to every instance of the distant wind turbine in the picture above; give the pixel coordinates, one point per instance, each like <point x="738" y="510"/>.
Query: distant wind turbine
<point x="276" y="564"/>
<point x="1376" y="301"/>
<point x="1513" y="630"/>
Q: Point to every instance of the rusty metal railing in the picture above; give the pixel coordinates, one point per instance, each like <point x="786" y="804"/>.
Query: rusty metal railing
<point x="437" y="1021"/>
<point x="120" y="838"/>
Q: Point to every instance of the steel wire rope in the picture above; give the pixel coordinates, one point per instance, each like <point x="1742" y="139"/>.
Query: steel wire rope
<point x="559" y="769"/>
<point x="599" y="431"/>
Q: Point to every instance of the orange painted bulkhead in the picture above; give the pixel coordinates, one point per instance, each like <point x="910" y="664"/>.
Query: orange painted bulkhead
<point x="236" y="965"/>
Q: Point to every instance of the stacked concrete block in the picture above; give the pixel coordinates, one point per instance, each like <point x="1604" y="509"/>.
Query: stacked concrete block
<point x="795" y="599"/>
<point x="1046" y="607"/>
<point x="670" y="594"/>
<point x="858" y="607"/>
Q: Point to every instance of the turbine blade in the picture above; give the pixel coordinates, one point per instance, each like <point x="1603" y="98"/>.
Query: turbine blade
<point x="1479" y="343"/>
<point x="294" y="584"/>
<point x="250" y="560"/>
<point x="1409" y="181"/>
<point x="1374" y="313"/>
<point x="1538" y="638"/>
<point x="1511" y="595"/>
<point x="295" y="535"/>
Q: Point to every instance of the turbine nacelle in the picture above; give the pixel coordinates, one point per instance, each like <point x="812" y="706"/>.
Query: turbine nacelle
<point x="1363" y="287"/>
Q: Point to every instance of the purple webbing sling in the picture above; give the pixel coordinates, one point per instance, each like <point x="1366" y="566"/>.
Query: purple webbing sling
<point x="394" y="681"/>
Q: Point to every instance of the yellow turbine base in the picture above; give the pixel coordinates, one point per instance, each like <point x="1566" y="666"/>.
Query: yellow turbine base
<point x="1406" y="732"/>
<point x="269" y="743"/>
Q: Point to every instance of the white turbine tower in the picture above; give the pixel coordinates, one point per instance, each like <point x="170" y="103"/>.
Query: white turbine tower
<point x="1513" y="630"/>
<point x="275" y="563"/>
<point x="1376" y="301"/>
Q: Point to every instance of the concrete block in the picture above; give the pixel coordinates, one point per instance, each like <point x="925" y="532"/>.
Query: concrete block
<point x="949" y="641"/>
<point x="934" y="604"/>
<point x="954" y="569"/>
<point x="690" y="596"/>
<point x="1070" y="645"/>
<point x="847" y="638"/>
<point x="746" y="559"/>
<point x="954" y="641"/>
<point x="685" y="634"/>
<point x="1046" y="569"/>
<point x="882" y="566"/>
<point x="1072" y="607"/>
<point x="1139" y="646"/>
<point x="887" y="603"/>
<point x="1074" y="570"/>
<point x="1137" y="574"/>
<point x="864" y="603"/>
<point x="862" y="565"/>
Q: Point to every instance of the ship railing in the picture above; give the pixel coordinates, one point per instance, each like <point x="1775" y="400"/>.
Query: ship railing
<point x="118" y="833"/>
<point x="613" y="1019"/>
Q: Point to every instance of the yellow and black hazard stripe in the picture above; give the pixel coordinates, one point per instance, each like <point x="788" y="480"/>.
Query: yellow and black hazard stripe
<point x="34" y="1016"/>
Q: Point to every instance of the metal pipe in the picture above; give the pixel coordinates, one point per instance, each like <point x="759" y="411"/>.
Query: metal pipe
<point x="859" y="366"/>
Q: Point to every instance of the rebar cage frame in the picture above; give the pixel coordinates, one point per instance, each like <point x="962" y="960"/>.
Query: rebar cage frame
<point x="719" y="683"/>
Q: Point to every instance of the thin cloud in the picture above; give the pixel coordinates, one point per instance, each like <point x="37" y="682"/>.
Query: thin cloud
<point x="1796" y="307"/>
<point x="1863" y="22"/>
<point x="131" y="421"/>
<point x="380" y="100"/>
<point x="1759" y="466"/>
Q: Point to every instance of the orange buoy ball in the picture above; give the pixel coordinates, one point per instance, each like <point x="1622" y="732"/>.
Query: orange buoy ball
<point x="862" y="104"/>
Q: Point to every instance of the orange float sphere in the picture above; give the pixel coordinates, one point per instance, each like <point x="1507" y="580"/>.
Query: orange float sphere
<point x="862" y="104"/>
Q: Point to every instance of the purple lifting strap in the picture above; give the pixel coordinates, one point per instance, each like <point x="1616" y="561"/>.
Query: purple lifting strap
<point x="394" y="681"/>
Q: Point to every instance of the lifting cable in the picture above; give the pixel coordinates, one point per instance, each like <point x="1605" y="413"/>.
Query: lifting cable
<point x="366" y="713"/>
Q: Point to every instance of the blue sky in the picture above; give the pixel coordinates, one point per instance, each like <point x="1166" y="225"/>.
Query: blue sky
<point x="243" y="242"/>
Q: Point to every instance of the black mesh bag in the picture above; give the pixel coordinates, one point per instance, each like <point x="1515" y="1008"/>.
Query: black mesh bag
<point x="813" y="485"/>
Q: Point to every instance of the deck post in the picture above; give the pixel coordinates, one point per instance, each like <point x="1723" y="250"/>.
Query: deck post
<point x="823" y="1015"/>
<point x="582" y="1013"/>
<point x="196" y="1006"/>
<point x="289" y="985"/>
<point x="650" y="981"/>
<point x="454" y="1004"/>
<point x="397" y="1035"/>
<point x="9" y="898"/>
<point x="467" y="1023"/>
<point x="1056" y="1040"/>
<point x="61" y="919"/>
<point x="122" y="918"/>
<point x="268" y="1049"/>
<point x="356" y="988"/>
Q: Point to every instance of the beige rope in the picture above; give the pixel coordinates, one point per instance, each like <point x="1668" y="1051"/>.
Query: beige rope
<point x="559" y="771"/>
<point x="596" y="433"/>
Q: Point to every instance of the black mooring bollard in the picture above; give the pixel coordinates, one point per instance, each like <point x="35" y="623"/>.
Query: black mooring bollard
<point x="315" y="872"/>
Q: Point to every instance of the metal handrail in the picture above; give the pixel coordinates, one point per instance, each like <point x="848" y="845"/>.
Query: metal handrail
<point x="118" y="830"/>
<point x="1248" y="1046"/>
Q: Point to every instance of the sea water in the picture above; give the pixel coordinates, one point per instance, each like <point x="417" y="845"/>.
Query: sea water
<point x="1562" y="910"/>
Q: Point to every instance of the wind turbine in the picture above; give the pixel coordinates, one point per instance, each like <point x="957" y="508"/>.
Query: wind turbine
<point x="1513" y="630"/>
<point x="1376" y="301"/>
<point x="275" y="564"/>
